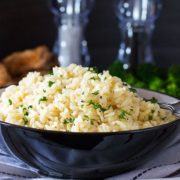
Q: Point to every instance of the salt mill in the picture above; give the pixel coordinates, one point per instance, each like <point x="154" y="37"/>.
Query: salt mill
<point x="71" y="45"/>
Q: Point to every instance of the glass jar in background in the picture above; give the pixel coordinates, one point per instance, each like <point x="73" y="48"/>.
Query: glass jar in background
<point x="136" y="21"/>
<point x="71" y="45"/>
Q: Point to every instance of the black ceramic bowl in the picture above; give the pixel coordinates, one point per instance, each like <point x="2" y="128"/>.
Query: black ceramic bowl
<point x="87" y="155"/>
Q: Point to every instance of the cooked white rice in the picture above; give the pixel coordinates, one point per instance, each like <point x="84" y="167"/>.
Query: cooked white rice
<point x="78" y="99"/>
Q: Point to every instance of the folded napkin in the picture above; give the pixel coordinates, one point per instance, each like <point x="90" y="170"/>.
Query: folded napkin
<point x="166" y="164"/>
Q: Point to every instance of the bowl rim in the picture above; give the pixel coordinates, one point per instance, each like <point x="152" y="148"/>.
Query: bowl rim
<point x="6" y="124"/>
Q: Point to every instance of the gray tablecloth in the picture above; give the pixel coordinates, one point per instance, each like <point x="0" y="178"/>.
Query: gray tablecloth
<point x="166" y="164"/>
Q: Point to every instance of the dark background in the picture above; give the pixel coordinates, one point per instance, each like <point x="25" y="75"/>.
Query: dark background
<point x="29" y="23"/>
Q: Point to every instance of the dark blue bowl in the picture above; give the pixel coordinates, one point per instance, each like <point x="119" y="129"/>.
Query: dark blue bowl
<point x="87" y="155"/>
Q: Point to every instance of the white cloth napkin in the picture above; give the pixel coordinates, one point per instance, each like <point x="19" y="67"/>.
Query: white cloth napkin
<point x="166" y="164"/>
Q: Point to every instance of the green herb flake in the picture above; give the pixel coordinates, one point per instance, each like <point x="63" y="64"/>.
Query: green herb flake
<point x="109" y="106"/>
<point x="10" y="101"/>
<point x="25" y="119"/>
<point x="132" y="90"/>
<point x="69" y="120"/>
<point x="123" y="114"/>
<point x="50" y="83"/>
<point x="153" y="100"/>
<point x="25" y="111"/>
<point x="51" y="73"/>
<point x="94" y="78"/>
<point x="152" y="111"/>
<point x="86" y="117"/>
<point x="97" y="106"/>
<point x="30" y="107"/>
<point x="93" y="69"/>
<point x="125" y="84"/>
<point x="42" y="99"/>
<point x="96" y="93"/>
<point x="150" y="117"/>
<point x="92" y="122"/>
<point x="44" y="90"/>
<point x="65" y="122"/>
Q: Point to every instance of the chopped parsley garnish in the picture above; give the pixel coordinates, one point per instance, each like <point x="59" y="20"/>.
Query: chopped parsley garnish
<point x="92" y="122"/>
<point x="125" y="84"/>
<point x="68" y="120"/>
<point x="51" y="73"/>
<point x="109" y="106"/>
<point x="10" y="101"/>
<point x="25" y="120"/>
<point x="132" y="90"/>
<point x="44" y="90"/>
<point x="93" y="69"/>
<point x="30" y="107"/>
<point x="50" y="83"/>
<point x="123" y="114"/>
<point x="96" y="105"/>
<point x="85" y="117"/>
<point x="94" y="78"/>
<point x="96" y="93"/>
<point x="42" y="99"/>
<point x="153" y="100"/>
<point x="150" y="117"/>
<point x="25" y="111"/>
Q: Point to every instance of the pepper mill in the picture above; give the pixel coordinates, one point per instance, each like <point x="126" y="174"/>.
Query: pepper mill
<point x="136" y="21"/>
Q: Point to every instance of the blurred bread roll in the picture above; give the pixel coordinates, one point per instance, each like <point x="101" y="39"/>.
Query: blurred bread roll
<point x="4" y="76"/>
<point x="20" y="63"/>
